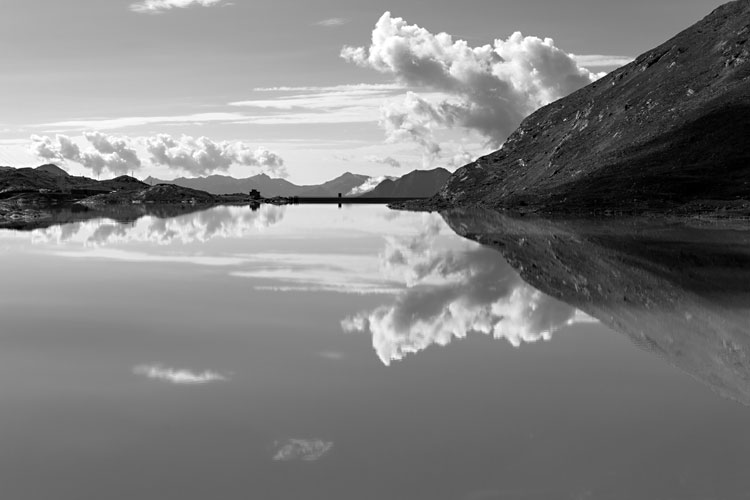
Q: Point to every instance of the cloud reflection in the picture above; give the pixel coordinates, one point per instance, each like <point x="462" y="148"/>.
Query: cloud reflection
<point x="178" y="376"/>
<point x="217" y="222"/>
<point x="308" y="450"/>
<point x="451" y="292"/>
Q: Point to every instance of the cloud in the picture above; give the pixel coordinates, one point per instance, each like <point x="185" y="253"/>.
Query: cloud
<point x="461" y="158"/>
<point x="161" y="6"/>
<point x="135" y="121"/>
<point x="343" y="273"/>
<point x="601" y="61"/>
<point x="112" y="153"/>
<point x="196" y="156"/>
<point x="200" y="156"/>
<point x="308" y="450"/>
<point x="490" y="88"/>
<point x="384" y="160"/>
<point x="369" y="185"/>
<point x="180" y="377"/>
<point x="333" y="22"/>
<point x="452" y="292"/>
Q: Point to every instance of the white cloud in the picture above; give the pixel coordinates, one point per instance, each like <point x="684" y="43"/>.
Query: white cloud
<point x="601" y="61"/>
<point x="333" y="22"/>
<point x="461" y="158"/>
<point x="135" y="121"/>
<point x="161" y="6"/>
<point x="308" y="450"/>
<point x="180" y="377"/>
<point x="369" y="185"/>
<point x="115" y="154"/>
<point x="195" y="156"/>
<point x="491" y="88"/>
<point x="199" y="156"/>
<point x="384" y="160"/>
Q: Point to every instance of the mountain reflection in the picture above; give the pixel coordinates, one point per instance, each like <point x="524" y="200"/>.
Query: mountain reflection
<point x="217" y="222"/>
<point x="682" y="292"/>
<point x="453" y="291"/>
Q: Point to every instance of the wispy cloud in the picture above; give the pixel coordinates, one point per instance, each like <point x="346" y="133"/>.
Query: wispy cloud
<point x="333" y="22"/>
<point x="384" y="160"/>
<point x="601" y="61"/>
<point x="178" y="376"/>
<point x="308" y="450"/>
<point x="161" y="6"/>
<point x="351" y="274"/>
<point x="136" y="121"/>
<point x="269" y="106"/>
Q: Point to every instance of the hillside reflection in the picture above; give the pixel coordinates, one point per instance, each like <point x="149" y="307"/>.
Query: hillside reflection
<point x="682" y="292"/>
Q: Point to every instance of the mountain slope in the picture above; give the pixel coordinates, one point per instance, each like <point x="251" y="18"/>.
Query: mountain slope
<point x="668" y="129"/>
<point x="415" y="184"/>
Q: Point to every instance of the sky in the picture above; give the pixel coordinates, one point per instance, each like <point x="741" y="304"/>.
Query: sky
<point x="302" y="90"/>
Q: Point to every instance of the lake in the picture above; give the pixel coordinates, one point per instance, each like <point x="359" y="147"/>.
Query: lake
<point x="320" y="352"/>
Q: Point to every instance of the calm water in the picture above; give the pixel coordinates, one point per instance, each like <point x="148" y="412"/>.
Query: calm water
<point x="356" y="353"/>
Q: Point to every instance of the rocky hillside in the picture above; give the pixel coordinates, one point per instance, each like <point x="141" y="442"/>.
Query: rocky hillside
<point x="670" y="128"/>
<point x="415" y="184"/>
<point x="33" y="195"/>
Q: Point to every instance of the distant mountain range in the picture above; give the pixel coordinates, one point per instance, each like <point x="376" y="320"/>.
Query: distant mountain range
<point x="416" y="184"/>
<point x="268" y="186"/>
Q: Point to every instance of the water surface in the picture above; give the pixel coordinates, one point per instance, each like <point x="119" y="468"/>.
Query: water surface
<point x="360" y="353"/>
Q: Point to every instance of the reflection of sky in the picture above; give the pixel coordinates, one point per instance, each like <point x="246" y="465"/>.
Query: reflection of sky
<point x="443" y="286"/>
<point x="145" y="369"/>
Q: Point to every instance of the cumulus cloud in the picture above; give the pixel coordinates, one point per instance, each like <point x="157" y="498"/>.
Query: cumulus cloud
<point x="161" y="6"/>
<point x="200" y="156"/>
<point x="461" y="158"/>
<point x="489" y="88"/>
<point x="384" y="160"/>
<point x="115" y="154"/>
<point x="452" y="292"/>
<point x="195" y="156"/>
<point x="308" y="450"/>
<point x="180" y="377"/>
<point x="333" y="22"/>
